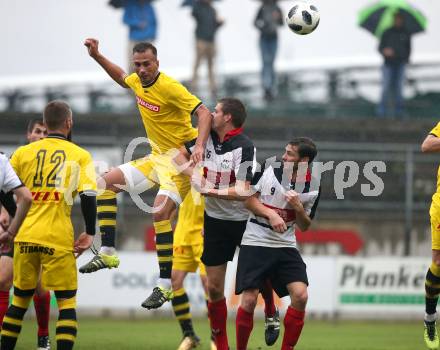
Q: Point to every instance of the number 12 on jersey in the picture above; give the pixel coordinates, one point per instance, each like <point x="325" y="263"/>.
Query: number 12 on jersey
<point x="56" y="160"/>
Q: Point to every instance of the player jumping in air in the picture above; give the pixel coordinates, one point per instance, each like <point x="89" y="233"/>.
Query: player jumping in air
<point x="166" y="107"/>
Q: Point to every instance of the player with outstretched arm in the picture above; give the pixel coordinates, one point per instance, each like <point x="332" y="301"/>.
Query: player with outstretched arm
<point x="166" y="107"/>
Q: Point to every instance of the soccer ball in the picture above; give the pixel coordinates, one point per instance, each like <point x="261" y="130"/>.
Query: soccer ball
<point x="303" y="18"/>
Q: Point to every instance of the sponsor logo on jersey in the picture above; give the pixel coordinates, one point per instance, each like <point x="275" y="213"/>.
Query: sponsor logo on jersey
<point x="288" y="215"/>
<point x="148" y="105"/>
<point x="46" y="196"/>
<point x="225" y="164"/>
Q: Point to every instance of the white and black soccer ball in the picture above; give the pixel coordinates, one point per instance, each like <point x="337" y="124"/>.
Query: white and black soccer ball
<point x="303" y="17"/>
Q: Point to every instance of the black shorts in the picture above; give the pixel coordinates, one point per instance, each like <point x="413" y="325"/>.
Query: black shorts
<point x="280" y="265"/>
<point x="221" y="238"/>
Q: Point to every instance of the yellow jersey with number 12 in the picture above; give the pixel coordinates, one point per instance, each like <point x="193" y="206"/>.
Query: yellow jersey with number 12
<point x="166" y="107"/>
<point x="55" y="170"/>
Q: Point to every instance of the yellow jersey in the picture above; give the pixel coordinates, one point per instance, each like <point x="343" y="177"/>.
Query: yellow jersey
<point x="55" y="171"/>
<point x="436" y="196"/>
<point x="190" y="222"/>
<point x="166" y="107"/>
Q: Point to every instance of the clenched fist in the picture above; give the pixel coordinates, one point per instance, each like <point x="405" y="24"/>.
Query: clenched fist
<point x="293" y="199"/>
<point x="92" y="46"/>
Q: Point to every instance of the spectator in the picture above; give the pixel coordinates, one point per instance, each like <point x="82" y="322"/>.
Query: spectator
<point x="140" y="17"/>
<point x="395" y="47"/>
<point x="207" y="24"/>
<point x="269" y="18"/>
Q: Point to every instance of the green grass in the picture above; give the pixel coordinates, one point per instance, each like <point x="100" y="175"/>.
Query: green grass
<point x="164" y="334"/>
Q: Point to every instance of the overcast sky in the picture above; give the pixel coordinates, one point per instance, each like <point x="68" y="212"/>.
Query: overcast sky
<point x="46" y="36"/>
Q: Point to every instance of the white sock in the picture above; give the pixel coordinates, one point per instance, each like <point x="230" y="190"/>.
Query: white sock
<point x="107" y="250"/>
<point x="164" y="283"/>
<point x="430" y="318"/>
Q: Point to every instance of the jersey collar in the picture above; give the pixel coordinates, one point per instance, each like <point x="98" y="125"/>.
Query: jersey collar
<point x="299" y="179"/>
<point x="56" y="136"/>
<point x="232" y="133"/>
<point x="303" y="179"/>
<point x="151" y="83"/>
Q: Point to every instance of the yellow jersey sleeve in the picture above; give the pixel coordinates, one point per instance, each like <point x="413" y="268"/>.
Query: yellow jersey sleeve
<point x="182" y="99"/>
<point x="436" y="130"/>
<point x="87" y="175"/>
<point x="131" y="80"/>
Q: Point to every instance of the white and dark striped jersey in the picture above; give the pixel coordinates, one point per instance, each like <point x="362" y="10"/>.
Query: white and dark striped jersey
<point x="272" y="185"/>
<point x="224" y="163"/>
<point x="8" y="178"/>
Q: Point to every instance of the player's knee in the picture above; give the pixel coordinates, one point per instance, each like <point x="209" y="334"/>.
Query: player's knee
<point x="300" y="297"/>
<point x="176" y="283"/>
<point x="215" y="291"/>
<point x="6" y="278"/>
<point x="162" y="214"/>
<point x="249" y="301"/>
<point x="5" y="283"/>
<point x="436" y="257"/>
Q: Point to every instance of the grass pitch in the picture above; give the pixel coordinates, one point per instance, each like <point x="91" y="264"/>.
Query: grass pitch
<point x="164" y="334"/>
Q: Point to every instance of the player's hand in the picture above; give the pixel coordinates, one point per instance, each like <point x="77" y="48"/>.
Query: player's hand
<point x="92" y="46"/>
<point x="198" y="182"/>
<point x="292" y="198"/>
<point x="197" y="154"/>
<point x="277" y="223"/>
<point x="182" y="164"/>
<point x="83" y="243"/>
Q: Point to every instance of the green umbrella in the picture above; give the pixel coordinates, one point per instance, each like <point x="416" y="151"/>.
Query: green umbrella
<point x="379" y="17"/>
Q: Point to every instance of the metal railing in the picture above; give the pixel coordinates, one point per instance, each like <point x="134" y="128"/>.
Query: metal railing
<point x="331" y="92"/>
